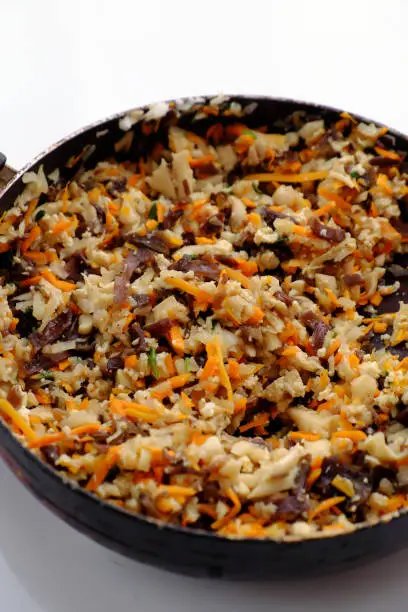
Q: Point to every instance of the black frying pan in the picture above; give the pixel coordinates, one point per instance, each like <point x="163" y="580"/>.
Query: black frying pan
<point x="182" y="549"/>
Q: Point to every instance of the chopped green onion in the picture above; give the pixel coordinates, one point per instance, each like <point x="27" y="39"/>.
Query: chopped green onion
<point x="39" y="215"/>
<point x="355" y="175"/>
<point x="187" y="363"/>
<point x="249" y="132"/>
<point x="153" y="212"/>
<point x="256" y="189"/>
<point x="152" y="361"/>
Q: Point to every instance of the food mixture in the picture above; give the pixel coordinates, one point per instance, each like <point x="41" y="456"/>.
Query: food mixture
<point x="199" y="335"/>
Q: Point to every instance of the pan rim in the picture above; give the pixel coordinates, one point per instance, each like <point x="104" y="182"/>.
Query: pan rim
<point x="76" y="489"/>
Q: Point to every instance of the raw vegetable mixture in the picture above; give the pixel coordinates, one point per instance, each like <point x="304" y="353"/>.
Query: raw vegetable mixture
<point x="198" y="335"/>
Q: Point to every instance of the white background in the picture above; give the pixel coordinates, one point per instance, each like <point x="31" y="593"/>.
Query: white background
<point x="66" y="63"/>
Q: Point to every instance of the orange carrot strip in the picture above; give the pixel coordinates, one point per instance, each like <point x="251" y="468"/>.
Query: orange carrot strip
<point x="105" y="465"/>
<point x="34" y="234"/>
<point x="236" y="508"/>
<point x="249" y="268"/>
<point x="61" y="226"/>
<point x="34" y="280"/>
<point x="196" y="162"/>
<point x="223" y="372"/>
<point x="334" y="197"/>
<point x="237" y="276"/>
<point x="304" y="435"/>
<point x="325" y="505"/>
<point x="259" y="419"/>
<point x="60" y="284"/>
<point x="288" y="178"/>
<point x="333" y="347"/>
<point x="176" y="339"/>
<point x="256" y="317"/>
<point x="353" y="434"/>
<point x="18" y="420"/>
<point x="199" y="294"/>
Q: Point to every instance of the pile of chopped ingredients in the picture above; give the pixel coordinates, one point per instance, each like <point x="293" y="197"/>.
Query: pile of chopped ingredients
<point x="197" y="335"/>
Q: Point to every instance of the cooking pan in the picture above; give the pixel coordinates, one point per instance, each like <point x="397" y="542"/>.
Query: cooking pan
<point x="182" y="549"/>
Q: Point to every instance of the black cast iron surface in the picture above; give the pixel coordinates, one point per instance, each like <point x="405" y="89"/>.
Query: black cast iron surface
<point x="175" y="548"/>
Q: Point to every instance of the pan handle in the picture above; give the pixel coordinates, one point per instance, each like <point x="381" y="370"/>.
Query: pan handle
<point x="6" y="172"/>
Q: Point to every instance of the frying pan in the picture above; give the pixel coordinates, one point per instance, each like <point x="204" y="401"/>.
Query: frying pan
<point x="182" y="549"/>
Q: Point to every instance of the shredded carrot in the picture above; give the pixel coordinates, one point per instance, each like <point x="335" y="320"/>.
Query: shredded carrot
<point x="40" y="258"/>
<point x="58" y="437"/>
<point x="165" y="388"/>
<point x="176" y="339"/>
<point x="304" y="435"/>
<point x="384" y="184"/>
<point x="131" y="361"/>
<point x="300" y="230"/>
<point x="249" y="268"/>
<point x="327" y="405"/>
<point x="199" y="294"/>
<point x="396" y="502"/>
<point x="324" y="210"/>
<point x="332" y="297"/>
<point x="133" y="410"/>
<point x="324" y="379"/>
<point x="34" y="234"/>
<point x="353" y="434"/>
<point x="334" y="197"/>
<point x="288" y="178"/>
<point x="387" y="154"/>
<point x="17" y="420"/>
<point x="313" y="476"/>
<point x="205" y="240"/>
<point x="196" y="162"/>
<point x="240" y="405"/>
<point x="257" y="421"/>
<point x="63" y="365"/>
<point x="60" y="284"/>
<point x="30" y="209"/>
<point x="233" y="369"/>
<point x="108" y="461"/>
<point x="256" y="317"/>
<point x="61" y="226"/>
<point x="186" y="400"/>
<point x="199" y="438"/>
<point x="233" y="512"/>
<point x="237" y="276"/>
<point x="248" y="203"/>
<point x="333" y="347"/>
<point x="325" y="505"/>
<point x="177" y="490"/>
<point x="291" y="351"/>
<point x="225" y="381"/>
<point x="210" y="369"/>
<point x="354" y="361"/>
<point x="255" y="219"/>
<point x="169" y="363"/>
<point x="34" y="280"/>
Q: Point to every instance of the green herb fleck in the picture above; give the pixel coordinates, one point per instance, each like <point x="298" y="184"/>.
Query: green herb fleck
<point x="229" y="190"/>
<point x="280" y="240"/>
<point x="256" y="188"/>
<point x="152" y="361"/>
<point x="153" y="212"/>
<point x="47" y="375"/>
<point x="213" y="323"/>
<point x="355" y="175"/>
<point x="187" y="364"/>
<point x="249" y="132"/>
<point x="68" y="214"/>
<point x="39" y="215"/>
